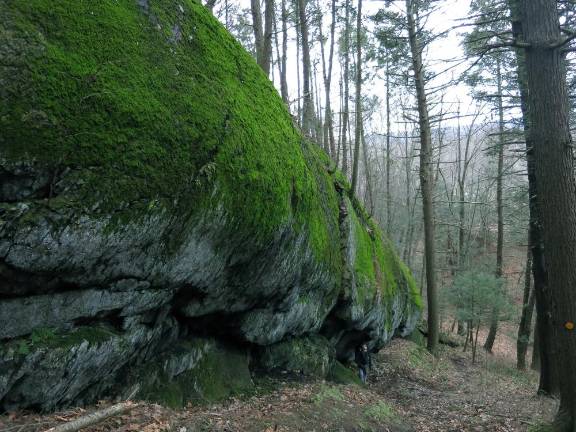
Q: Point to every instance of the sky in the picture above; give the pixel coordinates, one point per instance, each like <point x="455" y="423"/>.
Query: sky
<point x="440" y="56"/>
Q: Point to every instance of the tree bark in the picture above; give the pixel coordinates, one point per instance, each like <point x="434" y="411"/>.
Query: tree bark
<point x="257" y="29"/>
<point x="210" y="5"/>
<point x="388" y="156"/>
<point x="358" y="128"/>
<point x="345" y="113"/>
<point x="489" y="344"/>
<point x="525" y="325"/>
<point x="543" y="329"/>
<point x="308" y="108"/>
<point x="283" y="58"/>
<point x="268" y="33"/>
<point x="328" y="120"/>
<point x="426" y="179"/>
<point x="554" y="163"/>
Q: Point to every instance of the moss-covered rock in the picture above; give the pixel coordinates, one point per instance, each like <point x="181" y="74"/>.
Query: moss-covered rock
<point x="197" y="371"/>
<point x="310" y="355"/>
<point x="379" y="295"/>
<point x="53" y="369"/>
<point x="149" y="171"/>
<point x="141" y="141"/>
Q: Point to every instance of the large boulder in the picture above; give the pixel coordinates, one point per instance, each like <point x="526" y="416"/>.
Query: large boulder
<point x="152" y="184"/>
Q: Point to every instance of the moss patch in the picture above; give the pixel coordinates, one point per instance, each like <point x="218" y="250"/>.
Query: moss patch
<point x="220" y="372"/>
<point x="310" y="355"/>
<point x="327" y="392"/>
<point x="341" y="374"/>
<point x="381" y="412"/>
<point x="157" y="107"/>
<point x="380" y="275"/>
<point x="54" y="339"/>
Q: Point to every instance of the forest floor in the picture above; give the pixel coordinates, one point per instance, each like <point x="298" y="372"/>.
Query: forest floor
<point x="408" y="390"/>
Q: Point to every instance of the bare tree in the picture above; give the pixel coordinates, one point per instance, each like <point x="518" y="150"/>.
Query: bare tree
<point x="426" y="175"/>
<point x="358" y="130"/>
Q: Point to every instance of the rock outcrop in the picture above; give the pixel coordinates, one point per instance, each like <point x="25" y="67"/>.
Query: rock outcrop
<point x="158" y="208"/>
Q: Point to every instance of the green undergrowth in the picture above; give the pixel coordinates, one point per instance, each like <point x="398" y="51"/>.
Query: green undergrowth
<point x="158" y="107"/>
<point x="340" y="374"/>
<point x="380" y="412"/>
<point x="328" y="392"/>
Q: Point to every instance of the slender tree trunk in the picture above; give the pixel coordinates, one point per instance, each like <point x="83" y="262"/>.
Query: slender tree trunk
<point x="266" y="61"/>
<point x="489" y="344"/>
<point x="526" y="318"/>
<point x="426" y="178"/>
<point x="258" y="30"/>
<point x="340" y="121"/>
<point x="462" y="171"/>
<point x="368" y="176"/>
<point x="358" y="129"/>
<point x="388" y="156"/>
<point x="308" y="108"/>
<point x="328" y="120"/>
<point x="210" y="5"/>
<point x="535" y="364"/>
<point x="345" y="113"/>
<point x="554" y="162"/>
<point x="283" y="58"/>
<point x="298" y="73"/>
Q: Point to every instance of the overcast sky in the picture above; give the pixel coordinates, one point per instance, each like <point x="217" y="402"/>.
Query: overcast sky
<point x="440" y="56"/>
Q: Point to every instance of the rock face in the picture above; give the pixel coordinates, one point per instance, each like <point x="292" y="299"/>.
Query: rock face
<point x="155" y="199"/>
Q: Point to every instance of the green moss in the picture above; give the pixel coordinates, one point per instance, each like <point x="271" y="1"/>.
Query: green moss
<point x="380" y="274"/>
<point x="158" y="108"/>
<point x="413" y="289"/>
<point x="328" y="392"/>
<point x="381" y="412"/>
<point x="42" y="338"/>
<point x="308" y="355"/>
<point x="341" y="374"/>
<point x="221" y="372"/>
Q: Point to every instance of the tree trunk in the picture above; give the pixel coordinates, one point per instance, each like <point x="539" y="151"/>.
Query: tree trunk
<point x="526" y="318"/>
<point x="543" y="330"/>
<point x="329" y="114"/>
<point x="358" y="129"/>
<point x="345" y="113"/>
<point x="268" y="33"/>
<point x="368" y="176"/>
<point x="283" y="58"/>
<point x="426" y="180"/>
<point x="308" y="108"/>
<point x="554" y="162"/>
<point x="258" y="29"/>
<point x="489" y="344"/>
<point x="388" y="156"/>
<point x="535" y="364"/>
<point x="210" y="5"/>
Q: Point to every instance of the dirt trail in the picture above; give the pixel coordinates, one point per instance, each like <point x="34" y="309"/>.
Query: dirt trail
<point x="408" y="390"/>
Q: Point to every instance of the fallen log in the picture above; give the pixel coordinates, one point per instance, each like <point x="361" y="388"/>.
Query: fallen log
<point x="94" y="418"/>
